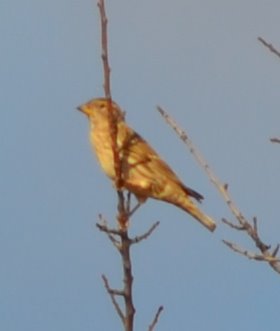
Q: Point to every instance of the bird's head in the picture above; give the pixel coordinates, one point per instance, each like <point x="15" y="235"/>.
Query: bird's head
<point x="97" y="109"/>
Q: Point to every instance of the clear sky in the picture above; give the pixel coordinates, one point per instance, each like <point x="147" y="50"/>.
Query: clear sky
<point x="200" y="60"/>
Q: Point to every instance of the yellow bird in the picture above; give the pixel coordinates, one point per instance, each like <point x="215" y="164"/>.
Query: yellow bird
<point x="143" y="172"/>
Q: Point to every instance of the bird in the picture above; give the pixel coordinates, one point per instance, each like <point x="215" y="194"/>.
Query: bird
<point x="143" y="172"/>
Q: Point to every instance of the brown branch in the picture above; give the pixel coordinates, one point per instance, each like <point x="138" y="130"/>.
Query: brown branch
<point x="275" y="140"/>
<point x="110" y="233"/>
<point x="250" y="255"/>
<point x="112" y="293"/>
<point x="276" y="52"/>
<point x="234" y="226"/>
<point x="123" y="216"/>
<point x="128" y="281"/>
<point x="104" y="46"/>
<point x="126" y="292"/>
<point x="104" y="227"/>
<point x="138" y="239"/>
<point x="155" y="320"/>
<point x="119" y="237"/>
<point x="221" y="187"/>
<point x="124" y="244"/>
<point x="111" y="117"/>
<point x="269" y="46"/>
<point x="244" y="225"/>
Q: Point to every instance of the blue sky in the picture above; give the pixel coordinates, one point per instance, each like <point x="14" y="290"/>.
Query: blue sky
<point x="202" y="62"/>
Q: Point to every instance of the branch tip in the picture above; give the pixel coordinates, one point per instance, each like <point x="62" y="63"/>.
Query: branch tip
<point x="110" y="291"/>
<point x="156" y="318"/>
<point x="138" y="239"/>
<point x="275" y="140"/>
<point x="269" y="46"/>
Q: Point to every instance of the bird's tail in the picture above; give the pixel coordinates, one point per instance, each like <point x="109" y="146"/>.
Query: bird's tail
<point x="190" y="207"/>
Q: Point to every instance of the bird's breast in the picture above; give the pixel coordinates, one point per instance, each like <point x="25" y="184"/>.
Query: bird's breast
<point x="101" y="140"/>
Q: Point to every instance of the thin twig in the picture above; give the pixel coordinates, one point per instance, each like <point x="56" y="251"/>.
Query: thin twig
<point x="104" y="45"/>
<point x="138" y="239"/>
<point x="276" y="52"/>
<point x="275" y="140"/>
<point x="269" y="46"/>
<point x="127" y="280"/>
<point x="105" y="229"/>
<point x="244" y="225"/>
<point x="107" y="90"/>
<point x="155" y="320"/>
<point x="124" y="250"/>
<point x="234" y="226"/>
<point x="221" y="187"/>
<point x="128" y="201"/>
<point x="110" y="233"/>
<point x="250" y="255"/>
<point x="112" y="296"/>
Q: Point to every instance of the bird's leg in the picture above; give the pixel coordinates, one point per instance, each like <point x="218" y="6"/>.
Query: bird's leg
<point x="133" y="210"/>
<point x="128" y="200"/>
<point x="140" y="201"/>
<point x="128" y="203"/>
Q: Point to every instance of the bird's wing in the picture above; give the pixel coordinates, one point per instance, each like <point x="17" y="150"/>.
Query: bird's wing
<point x="144" y="162"/>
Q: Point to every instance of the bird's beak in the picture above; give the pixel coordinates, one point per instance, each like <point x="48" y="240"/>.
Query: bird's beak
<point x="80" y="108"/>
<point x="83" y="109"/>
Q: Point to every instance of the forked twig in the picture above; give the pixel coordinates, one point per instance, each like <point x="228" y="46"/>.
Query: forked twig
<point x="111" y="233"/>
<point x="250" y="255"/>
<point x="127" y="316"/>
<point x="112" y="293"/>
<point x="123" y="245"/>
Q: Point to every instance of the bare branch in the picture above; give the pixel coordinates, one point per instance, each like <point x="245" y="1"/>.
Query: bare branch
<point x="155" y="320"/>
<point x="276" y="52"/>
<point x="253" y="232"/>
<point x="221" y="187"/>
<point x="104" y="47"/>
<point x="250" y="255"/>
<point x="128" y="201"/>
<point x="110" y="233"/>
<point x="112" y="120"/>
<point x="269" y="46"/>
<point x="106" y="229"/>
<point x="234" y="226"/>
<point x="123" y="216"/>
<point x="112" y="294"/>
<point x="275" y="140"/>
<point x="123" y="243"/>
<point x="274" y="253"/>
<point x="138" y="239"/>
<point x="244" y="225"/>
<point x="127" y="280"/>
<point x="124" y="249"/>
